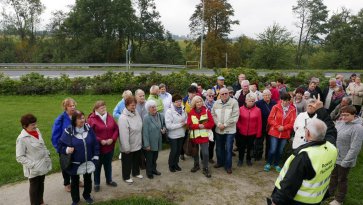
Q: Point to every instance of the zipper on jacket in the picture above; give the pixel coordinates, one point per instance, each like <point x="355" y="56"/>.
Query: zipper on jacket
<point x="85" y="150"/>
<point x="249" y="117"/>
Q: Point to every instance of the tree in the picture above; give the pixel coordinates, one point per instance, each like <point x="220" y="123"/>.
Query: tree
<point x="274" y="48"/>
<point x="217" y="24"/>
<point x="242" y="51"/>
<point x="312" y="16"/>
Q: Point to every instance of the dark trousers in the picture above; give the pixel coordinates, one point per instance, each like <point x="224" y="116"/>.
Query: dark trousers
<point x="36" y="190"/>
<point x="205" y="152"/>
<point x="106" y="161"/>
<point x="66" y="177"/>
<point x="358" y="108"/>
<point x="243" y="143"/>
<point x="130" y="163"/>
<point x="259" y="143"/>
<point x="184" y="139"/>
<point x="175" y="150"/>
<point x="338" y="186"/>
<point x="151" y="157"/>
<point x="75" y="187"/>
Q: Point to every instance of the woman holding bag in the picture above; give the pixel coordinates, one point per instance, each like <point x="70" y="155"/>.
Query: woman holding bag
<point x="200" y="122"/>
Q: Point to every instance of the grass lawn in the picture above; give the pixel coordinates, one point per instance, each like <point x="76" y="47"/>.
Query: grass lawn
<point x="47" y="108"/>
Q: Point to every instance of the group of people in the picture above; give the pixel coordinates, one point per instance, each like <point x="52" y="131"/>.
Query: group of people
<point x="320" y="123"/>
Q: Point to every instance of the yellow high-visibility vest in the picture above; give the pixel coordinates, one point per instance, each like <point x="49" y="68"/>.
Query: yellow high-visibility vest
<point x="199" y="132"/>
<point x="323" y="158"/>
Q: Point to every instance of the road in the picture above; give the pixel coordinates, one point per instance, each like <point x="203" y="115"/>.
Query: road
<point x="17" y="73"/>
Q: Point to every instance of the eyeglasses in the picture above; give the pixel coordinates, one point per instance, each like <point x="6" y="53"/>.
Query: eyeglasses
<point x="224" y="93"/>
<point x="210" y="96"/>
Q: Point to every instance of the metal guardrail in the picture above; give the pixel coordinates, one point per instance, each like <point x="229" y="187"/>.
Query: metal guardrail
<point x="59" y="65"/>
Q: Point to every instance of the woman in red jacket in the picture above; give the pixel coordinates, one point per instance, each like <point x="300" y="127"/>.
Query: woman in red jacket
<point x="249" y="127"/>
<point x="106" y="131"/>
<point x="200" y="123"/>
<point x="281" y="122"/>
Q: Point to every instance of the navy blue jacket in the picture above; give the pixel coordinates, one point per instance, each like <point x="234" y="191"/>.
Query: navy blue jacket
<point x="60" y="124"/>
<point x="265" y="111"/>
<point x="84" y="150"/>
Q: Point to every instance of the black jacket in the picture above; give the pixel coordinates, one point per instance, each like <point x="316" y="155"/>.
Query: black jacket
<point x="299" y="170"/>
<point x="331" y="133"/>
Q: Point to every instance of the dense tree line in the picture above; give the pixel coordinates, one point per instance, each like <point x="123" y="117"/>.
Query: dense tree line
<point x="102" y="31"/>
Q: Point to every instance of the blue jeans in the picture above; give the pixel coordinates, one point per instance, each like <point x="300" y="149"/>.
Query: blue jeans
<point x="106" y="161"/>
<point x="224" y="146"/>
<point x="276" y="148"/>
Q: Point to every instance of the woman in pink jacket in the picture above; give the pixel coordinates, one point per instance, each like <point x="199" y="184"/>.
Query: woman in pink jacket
<point x="106" y="131"/>
<point x="249" y="128"/>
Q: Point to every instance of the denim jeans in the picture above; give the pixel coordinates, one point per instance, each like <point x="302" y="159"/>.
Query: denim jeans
<point x="224" y="146"/>
<point x="276" y="148"/>
<point x="106" y="161"/>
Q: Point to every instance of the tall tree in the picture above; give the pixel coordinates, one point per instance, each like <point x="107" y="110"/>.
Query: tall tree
<point x="312" y="16"/>
<point x="217" y="24"/>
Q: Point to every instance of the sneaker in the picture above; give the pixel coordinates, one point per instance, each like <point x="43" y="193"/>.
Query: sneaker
<point x="177" y="168"/>
<point x="277" y="168"/>
<point x="206" y="173"/>
<point x="335" y="202"/>
<point x="112" y="183"/>
<point x="81" y="184"/>
<point x="119" y="156"/>
<point x="89" y="200"/>
<point x="129" y="181"/>
<point x="249" y="163"/>
<point x="240" y="163"/>
<point x="97" y="188"/>
<point x="267" y="167"/>
<point x="67" y="188"/>
<point x="195" y="169"/>
<point x="139" y="176"/>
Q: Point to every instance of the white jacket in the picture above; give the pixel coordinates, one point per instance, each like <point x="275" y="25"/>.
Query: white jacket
<point x="175" y="123"/>
<point x="33" y="155"/>
<point x="130" y="130"/>
<point x="299" y="127"/>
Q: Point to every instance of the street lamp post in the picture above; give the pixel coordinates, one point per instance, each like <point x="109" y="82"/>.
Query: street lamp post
<point x="201" y="38"/>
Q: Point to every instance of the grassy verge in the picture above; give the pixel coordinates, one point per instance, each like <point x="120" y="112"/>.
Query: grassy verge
<point x="135" y="200"/>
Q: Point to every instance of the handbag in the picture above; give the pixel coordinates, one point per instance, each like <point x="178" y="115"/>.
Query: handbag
<point x="190" y="148"/>
<point x="66" y="159"/>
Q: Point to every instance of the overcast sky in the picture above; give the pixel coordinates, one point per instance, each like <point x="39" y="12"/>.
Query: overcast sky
<point x="254" y="15"/>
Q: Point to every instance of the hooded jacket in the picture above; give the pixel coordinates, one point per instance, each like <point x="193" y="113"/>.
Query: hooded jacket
<point x="60" y="124"/>
<point x="349" y="141"/>
<point x="33" y="155"/>
<point x="277" y="119"/>
<point x="104" y="131"/>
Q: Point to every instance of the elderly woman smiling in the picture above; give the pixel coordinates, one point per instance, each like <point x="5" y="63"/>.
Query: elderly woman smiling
<point x="153" y="127"/>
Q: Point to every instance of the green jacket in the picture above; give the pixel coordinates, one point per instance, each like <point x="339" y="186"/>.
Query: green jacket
<point x="159" y="102"/>
<point x="151" y="132"/>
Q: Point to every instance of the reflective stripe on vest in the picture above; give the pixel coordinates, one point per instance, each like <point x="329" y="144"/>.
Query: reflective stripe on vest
<point x="199" y="132"/>
<point x="313" y="191"/>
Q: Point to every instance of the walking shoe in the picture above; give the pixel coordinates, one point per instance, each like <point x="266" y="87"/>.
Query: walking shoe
<point x="89" y="200"/>
<point x="150" y="176"/>
<point x="267" y="167"/>
<point x="67" y="188"/>
<point x="233" y="154"/>
<point x="80" y="184"/>
<point x="119" y="156"/>
<point x="195" y="168"/>
<point x="112" y="183"/>
<point x="217" y="166"/>
<point x="249" y="163"/>
<point x="177" y="168"/>
<point x="97" y="188"/>
<point x="129" y="181"/>
<point x="156" y="172"/>
<point x="172" y="169"/>
<point x="211" y="161"/>
<point x="139" y="176"/>
<point x="277" y="168"/>
<point x="182" y="157"/>
<point x="335" y="202"/>
<point x="229" y="171"/>
<point x="240" y="163"/>
<point x="75" y="203"/>
<point x="206" y="173"/>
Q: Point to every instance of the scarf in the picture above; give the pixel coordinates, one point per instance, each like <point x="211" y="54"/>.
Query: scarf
<point x="338" y="95"/>
<point x="33" y="133"/>
<point x="179" y="110"/>
<point x="209" y="105"/>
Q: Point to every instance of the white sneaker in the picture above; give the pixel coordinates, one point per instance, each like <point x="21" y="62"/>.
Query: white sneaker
<point x="129" y="181"/>
<point x="139" y="176"/>
<point x="335" y="202"/>
<point x="119" y="156"/>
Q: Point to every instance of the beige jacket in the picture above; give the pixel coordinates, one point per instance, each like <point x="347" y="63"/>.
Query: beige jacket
<point x="130" y="130"/>
<point x="357" y="97"/>
<point x="33" y="155"/>
<point x="226" y="114"/>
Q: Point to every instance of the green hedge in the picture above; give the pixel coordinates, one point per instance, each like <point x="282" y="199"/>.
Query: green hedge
<point x="111" y="83"/>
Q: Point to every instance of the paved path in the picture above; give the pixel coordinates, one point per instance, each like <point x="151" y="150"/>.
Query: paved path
<point x="247" y="185"/>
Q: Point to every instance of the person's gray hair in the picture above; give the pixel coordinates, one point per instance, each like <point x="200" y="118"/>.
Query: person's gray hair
<point x="149" y="104"/>
<point x="311" y="101"/>
<point x="223" y="89"/>
<point x="126" y="93"/>
<point x="317" y="129"/>
<point x="314" y="80"/>
<point x="266" y="92"/>
<point x="210" y="92"/>
<point x="153" y="88"/>
<point x="194" y="101"/>
<point x="332" y="80"/>
<point x="251" y="96"/>
<point x="162" y="85"/>
<point x="348" y="99"/>
<point x="139" y="91"/>
<point x="245" y="82"/>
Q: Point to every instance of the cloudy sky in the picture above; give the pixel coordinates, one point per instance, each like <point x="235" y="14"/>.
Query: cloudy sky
<point x="254" y="15"/>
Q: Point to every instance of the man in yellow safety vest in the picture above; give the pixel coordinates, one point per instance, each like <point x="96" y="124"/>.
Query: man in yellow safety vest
<point x="305" y="177"/>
